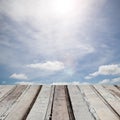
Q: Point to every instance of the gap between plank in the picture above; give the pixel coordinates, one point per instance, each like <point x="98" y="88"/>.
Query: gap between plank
<point x="69" y="104"/>
<point x="50" y="118"/>
<point x="105" y="101"/>
<point x="32" y="103"/>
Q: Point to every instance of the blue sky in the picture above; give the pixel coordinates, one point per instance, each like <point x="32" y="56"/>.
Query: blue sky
<point x="59" y="41"/>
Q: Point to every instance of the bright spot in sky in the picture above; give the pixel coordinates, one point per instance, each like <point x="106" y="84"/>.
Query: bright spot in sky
<point x="50" y="41"/>
<point x="63" y="7"/>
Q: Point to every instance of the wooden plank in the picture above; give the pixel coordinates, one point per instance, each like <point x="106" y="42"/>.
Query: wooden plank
<point x="112" y="101"/>
<point x="23" y="104"/>
<point x="80" y="107"/>
<point x="113" y="90"/>
<point x="39" y="108"/>
<point x="4" y="90"/>
<point x="60" y="111"/>
<point x="10" y="99"/>
<point x="50" y="105"/>
<point x="118" y="86"/>
<point x="102" y="110"/>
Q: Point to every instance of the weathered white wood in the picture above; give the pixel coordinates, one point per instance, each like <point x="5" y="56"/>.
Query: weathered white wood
<point x="118" y="86"/>
<point x="23" y="104"/>
<point x="109" y="98"/>
<point x="16" y="100"/>
<point x="102" y="110"/>
<point x="48" y="112"/>
<point x="39" y="108"/>
<point x="80" y="107"/>
<point x="5" y="89"/>
<point x="60" y="111"/>
<point x="10" y="99"/>
<point x="113" y="90"/>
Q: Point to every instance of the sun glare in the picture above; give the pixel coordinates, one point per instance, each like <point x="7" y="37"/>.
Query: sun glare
<point x="63" y="7"/>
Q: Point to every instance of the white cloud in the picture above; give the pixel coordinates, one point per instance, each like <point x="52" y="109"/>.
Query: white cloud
<point x="54" y="83"/>
<point x="71" y="83"/>
<point x="49" y="65"/>
<point x="88" y="77"/>
<point x="104" y="81"/>
<point x="19" y="76"/>
<point x="45" y="9"/>
<point x="66" y="83"/>
<point x="115" y="80"/>
<point x="110" y="81"/>
<point x="53" y="33"/>
<point x="45" y="32"/>
<point x="30" y="83"/>
<point x="113" y="69"/>
<point x="25" y="83"/>
<point x="85" y="83"/>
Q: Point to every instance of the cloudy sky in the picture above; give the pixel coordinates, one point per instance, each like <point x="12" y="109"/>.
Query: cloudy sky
<point x="59" y="41"/>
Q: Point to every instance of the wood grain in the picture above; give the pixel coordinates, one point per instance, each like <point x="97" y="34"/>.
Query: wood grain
<point x="60" y="102"/>
<point x="60" y="111"/>
<point x="24" y="104"/>
<point x="102" y="110"/>
<point x="39" y="108"/>
<point x="10" y="99"/>
<point x="4" y="90"/>
<point x="110" y="99"/>
<point x="80" y="107"/>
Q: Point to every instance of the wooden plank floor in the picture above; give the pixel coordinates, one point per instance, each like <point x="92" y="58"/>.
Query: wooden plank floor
<point x="62" y="102"/>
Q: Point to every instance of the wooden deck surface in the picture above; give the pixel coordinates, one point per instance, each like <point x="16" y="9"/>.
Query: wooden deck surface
<point x="60" y="102"/>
